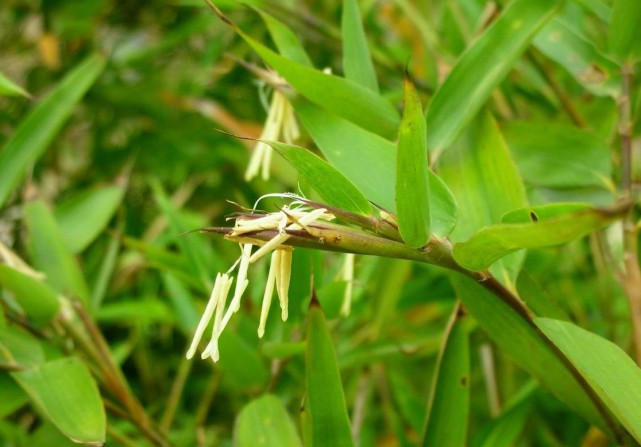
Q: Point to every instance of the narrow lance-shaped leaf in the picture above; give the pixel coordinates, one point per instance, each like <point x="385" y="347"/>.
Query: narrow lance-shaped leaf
<point x="624" y="33"/>
<point x="505" y="429"/>
<point x="611" y="372"/>
<point x="561" y="43"/>
<point x="369" y="161"/>
<point x="328" y="182"/>
<point x="39" y="302"/>
<point x="601" y="8"/>
<point x="559" y="155"/>
<point x="10" y="88"/>
<point x="357" y="61"/>
<point x="191" y="248"/>
<point x="83" y="217"/>
<point x="13" y="398"/>
<point x="412" y="181"/>
<point x="67" y="394"/>
<point x="51" y="254"/>
<point x="486" y="183"/>
<point x="37" y="131"/>
<point x="324" y="391"/>
<point x="481" y="68"/>
<point x="347" y="99"/>
<point x="449" y="404"/>
<point x="17" y="346"/>
<point x="510" y="326"/>
<point x="265" y="419"/>
<point x="492" y="243"/>
<point x="286" y="41"/>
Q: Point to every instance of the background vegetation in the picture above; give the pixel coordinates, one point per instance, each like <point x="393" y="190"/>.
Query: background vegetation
<point x="110" y="154"/>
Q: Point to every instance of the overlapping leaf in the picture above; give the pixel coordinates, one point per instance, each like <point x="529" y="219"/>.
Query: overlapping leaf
<point x="67" y="394"/>
<point x="329" y="183"/>
<point x="448" y="411"/>
<point x="369" y="162"/>
<point x="492" y="243"/>
<point x="324" y="391"/>
<point x="341" y="96"/>
<point x="611" y="373"/>
<point x="37" y="131"/>
<point x="357" y="61"/>
<point x="412" y="178"/>
<point x="481" y="68"/>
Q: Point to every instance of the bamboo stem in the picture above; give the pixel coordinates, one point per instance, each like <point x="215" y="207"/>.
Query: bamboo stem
<point x="630" y="277"/>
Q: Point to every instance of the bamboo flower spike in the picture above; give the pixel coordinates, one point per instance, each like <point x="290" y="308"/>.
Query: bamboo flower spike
<point x="287" y="219"/>
<point x="280" y="122"/>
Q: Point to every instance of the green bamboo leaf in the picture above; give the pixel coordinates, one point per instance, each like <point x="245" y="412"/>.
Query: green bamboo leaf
<point x="286" y="41"/>
<point x="481" y="68"/>
<point x="191" y="247"/>
<point x="109" y="259"/>
<point x="47" y="434"/>
<point x="515" y="333"/>
<point x="410" y="404"/>
<point x="10" y="88"/>
<point x="369" y="161"/>
<point x="624" y="33"/>
<point x="560" y="42"/>
<point x="341" y="96"/>
<point x="492" y="243"/>
<point x="486" y="183"/>
<point x="505" y="429"/>
<point x="537" y="298"/>
<point x="165" y="260"/>
<point x="611" y="373"/>
<point x="39" y="302"/>
<point x="84" y="216"/>
<point x="357" y="61"/>
<point x="599" y="8"/>
<point x="264" y="421"/>
<point x="21" y="347"/>
<point x="543" y="213"/>
<point x="50" y="253"/>
<point x="138" y="310"/>
<point x="13" y="398"/>
<point x="241" y="363"/>
<point x="37" y="131"/>
<point x="449" y="404"/>
<point x="412" y="180"/>
<point x="68" y="396"/>
<point x="327" y="181"/>
<point x="325" y="398"/>
<point x="558" y="155"/>
<point x="182" y="301"/>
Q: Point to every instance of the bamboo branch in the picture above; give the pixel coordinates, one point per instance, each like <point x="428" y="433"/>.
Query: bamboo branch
<point x="332" y="237"/>
<point x="630" y="278"/>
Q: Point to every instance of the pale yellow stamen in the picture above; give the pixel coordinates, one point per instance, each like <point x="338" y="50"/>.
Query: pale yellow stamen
<point x="242" y="276"/>
<point x="269" y="291"/>
<point x="283" y="280"/>
<point x="280" y="121"/>
<point x="204" y="320"/>
<point x="212" y="348"/>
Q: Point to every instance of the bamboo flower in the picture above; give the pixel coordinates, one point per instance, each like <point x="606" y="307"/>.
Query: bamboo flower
<point x="287" y="219"/>
<point x="280" y="122"/>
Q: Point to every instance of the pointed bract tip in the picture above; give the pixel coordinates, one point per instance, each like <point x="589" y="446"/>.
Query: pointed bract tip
<point x="314" y="302"/>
